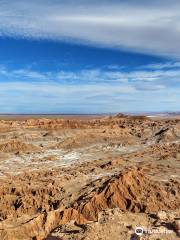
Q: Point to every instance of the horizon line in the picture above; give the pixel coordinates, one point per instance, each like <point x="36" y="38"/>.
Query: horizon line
<point x="105" y="113"/>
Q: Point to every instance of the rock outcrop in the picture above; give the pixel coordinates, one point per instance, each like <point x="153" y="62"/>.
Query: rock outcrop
<point x="16" y="146"/>
<point x="131" y="191"/>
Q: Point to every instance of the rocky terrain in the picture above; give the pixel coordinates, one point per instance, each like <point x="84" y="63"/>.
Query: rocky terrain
<point x="89" y="178"/>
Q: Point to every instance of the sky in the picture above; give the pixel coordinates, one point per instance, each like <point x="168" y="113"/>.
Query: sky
<point x="67" y="56"/>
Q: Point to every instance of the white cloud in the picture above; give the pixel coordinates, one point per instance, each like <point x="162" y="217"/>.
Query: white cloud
<point x="90" y="90"/>
<point x="152" y="28"/>
<point x="154" y="76"/>
<point x="161" y="66"/>
<point x="49" y="97"/>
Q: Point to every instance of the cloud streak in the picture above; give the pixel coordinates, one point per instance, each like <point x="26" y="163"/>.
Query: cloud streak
<point x="152" y="28"/>
<point x="145" y="88"/>
<point x="165" y="75"/>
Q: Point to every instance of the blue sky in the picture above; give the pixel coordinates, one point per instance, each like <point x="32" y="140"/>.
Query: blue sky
<point x="89" y="57"/>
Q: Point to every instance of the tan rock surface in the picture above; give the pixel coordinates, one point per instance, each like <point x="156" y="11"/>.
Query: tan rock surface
<point x="71" y="178"/>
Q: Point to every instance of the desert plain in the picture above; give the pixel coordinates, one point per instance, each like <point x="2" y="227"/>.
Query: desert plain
<point x="89" y="177"/>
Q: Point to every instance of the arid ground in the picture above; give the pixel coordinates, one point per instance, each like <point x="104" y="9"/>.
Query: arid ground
<point x="89" y="178"/>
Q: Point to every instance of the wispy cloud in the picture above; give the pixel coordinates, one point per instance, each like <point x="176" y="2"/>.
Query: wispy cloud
<point x="144" y="26"/>
<point x="162" y="66"/>
<point x="165" y="75"/>
<point x="91" y="90"/>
